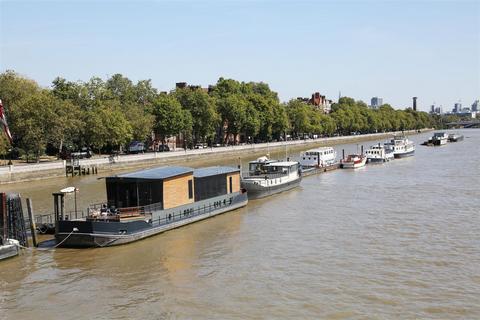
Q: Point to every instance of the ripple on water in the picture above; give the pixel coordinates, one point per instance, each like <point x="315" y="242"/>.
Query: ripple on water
<point x="395" y="241"/>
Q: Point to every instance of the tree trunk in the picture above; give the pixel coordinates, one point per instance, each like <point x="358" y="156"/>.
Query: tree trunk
<point x="60" y="148"/>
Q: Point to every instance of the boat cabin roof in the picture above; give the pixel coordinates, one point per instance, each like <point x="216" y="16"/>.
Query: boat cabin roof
<point x="263" y="162"/>
<point x="159" y="173"/>
<point x="213" y="171"/>
<point x="282" y="164"/>
<point x="162" y="173"/>
<point x="322" y="149"/>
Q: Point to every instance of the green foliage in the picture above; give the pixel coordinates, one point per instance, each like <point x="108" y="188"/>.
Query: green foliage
<point x="106" y="126"/>
<point x="203" y="110"/>
<point x="170" y="118"/>
<point x="108" y="114"/>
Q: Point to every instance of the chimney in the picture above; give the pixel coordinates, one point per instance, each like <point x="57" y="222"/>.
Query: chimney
<point x="414" y="103"/>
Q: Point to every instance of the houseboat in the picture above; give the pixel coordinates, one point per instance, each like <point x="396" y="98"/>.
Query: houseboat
<point x="439" y="138"/>
<point x="353" y="161"/>
<point x="379" y="153"/>
<point x="266" y="177"/>
<point x="320" y="157"/>
<point x="147" y="202"/>
<point x="454" y="137"/>
<point x="401" y="146"/>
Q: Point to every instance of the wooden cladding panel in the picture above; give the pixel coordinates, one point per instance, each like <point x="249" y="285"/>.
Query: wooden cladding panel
<point x="175" y="191"/>
<point x="235" y="182"/>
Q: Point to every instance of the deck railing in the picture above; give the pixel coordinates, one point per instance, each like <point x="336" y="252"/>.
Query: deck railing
<point x="190" y="213"/>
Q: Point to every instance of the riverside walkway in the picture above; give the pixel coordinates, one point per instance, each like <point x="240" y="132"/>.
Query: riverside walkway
<point x="26" y="172"/>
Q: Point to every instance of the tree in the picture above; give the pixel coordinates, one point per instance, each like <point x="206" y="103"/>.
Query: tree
<point x="121" y="88"/>
<point x="202" y="108"/>
<point x="170" y="118"/>
<point x="233" y="111"/>
<point x="141" y="121"/>
<point x="106" y="126"/>
<point x="298" y="113"/>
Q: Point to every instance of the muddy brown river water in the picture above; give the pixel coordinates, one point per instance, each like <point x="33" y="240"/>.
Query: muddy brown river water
<point x="393" y="241"/>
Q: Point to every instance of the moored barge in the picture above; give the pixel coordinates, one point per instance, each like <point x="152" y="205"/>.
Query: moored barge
<point x="147" y="202"/>
<point x="318" y="160"/>
<point x="454" y="137"/>
<point x="267" y="177"/>
<point x="379" y="153"/>
<point x="402" y="147"/>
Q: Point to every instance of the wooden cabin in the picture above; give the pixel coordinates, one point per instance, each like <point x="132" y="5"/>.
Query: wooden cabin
<point x="170" y="187"/>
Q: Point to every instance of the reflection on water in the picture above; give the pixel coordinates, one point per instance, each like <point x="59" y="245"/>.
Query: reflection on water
<point x="396" y="240"/>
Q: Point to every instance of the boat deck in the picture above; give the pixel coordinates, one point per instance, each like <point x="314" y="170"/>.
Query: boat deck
<point x="317" y="170"/>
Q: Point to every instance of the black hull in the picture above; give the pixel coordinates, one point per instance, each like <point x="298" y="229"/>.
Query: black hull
<point x="404" y="155"/>
<point x="455" y="139"/>
<point x="308" y="171"/>
<point x="378" y="161"/>
<point x="87" y="234"/>
<point x="437" y="143"/>
<point x="257" y="192"/>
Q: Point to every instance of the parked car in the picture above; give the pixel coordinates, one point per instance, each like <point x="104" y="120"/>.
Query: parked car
<point x="200" y="146"/>
<point x="136" y="147"/>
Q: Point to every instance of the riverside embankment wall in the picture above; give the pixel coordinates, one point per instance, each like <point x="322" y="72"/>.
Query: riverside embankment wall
<point x="28" y="172"/>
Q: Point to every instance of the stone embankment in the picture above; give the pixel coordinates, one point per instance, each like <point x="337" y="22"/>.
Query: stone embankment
<point x="19" y="173"/>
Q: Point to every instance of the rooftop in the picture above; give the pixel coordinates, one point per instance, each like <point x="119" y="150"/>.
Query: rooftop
<point x="213" y="171"/>
<point x="157" y="173"/>
<point x="282" y="164"/>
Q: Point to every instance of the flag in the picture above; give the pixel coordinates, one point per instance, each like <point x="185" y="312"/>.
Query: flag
<point x="4" y="124"/>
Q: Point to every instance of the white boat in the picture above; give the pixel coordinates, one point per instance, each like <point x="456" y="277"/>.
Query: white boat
<point x="353" y="161"/>
<point x="320" y="157"/>
<point x="439" y="138"/>
<point x="379" y="153"/>
<point x="401" y="146"/>
<point x="267" y="177"/>
<point x="9" y="248"/>
<point x="68" y="190"/>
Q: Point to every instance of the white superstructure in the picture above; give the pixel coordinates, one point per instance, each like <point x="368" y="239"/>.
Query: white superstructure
<point x="320" y="157"/>
<point x="401" y="146"/>
<point x="267" y="177"/>
<point x="379" y="153"/>
<point x="440" y="138"/>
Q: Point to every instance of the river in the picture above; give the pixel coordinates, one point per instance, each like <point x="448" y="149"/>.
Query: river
<point x="392" y="241"/>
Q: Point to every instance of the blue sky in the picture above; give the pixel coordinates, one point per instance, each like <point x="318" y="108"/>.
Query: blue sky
<point x="390" y="49"/>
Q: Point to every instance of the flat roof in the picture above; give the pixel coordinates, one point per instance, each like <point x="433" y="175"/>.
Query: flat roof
<point x="156" y="173"/>
<point x="282" y="164"/>
<point x="213" y="171"/>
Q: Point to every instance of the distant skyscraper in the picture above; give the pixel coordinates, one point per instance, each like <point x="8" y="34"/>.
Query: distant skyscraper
<point x="376" y="102"/>
<point x="414" y="103"/>
<point x="475" y="106"/>
<point x="457" y="107"/>
<point x="432" y="109"/>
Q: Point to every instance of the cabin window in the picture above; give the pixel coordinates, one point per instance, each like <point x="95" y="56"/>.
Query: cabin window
<point x="190" y="189"/>
<point x="210" y="186"/>
<point x="123" y="193"/>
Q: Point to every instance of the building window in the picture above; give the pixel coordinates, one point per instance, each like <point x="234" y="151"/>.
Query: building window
<point x="231" y="184"/>
<point x="190" y="189"/>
